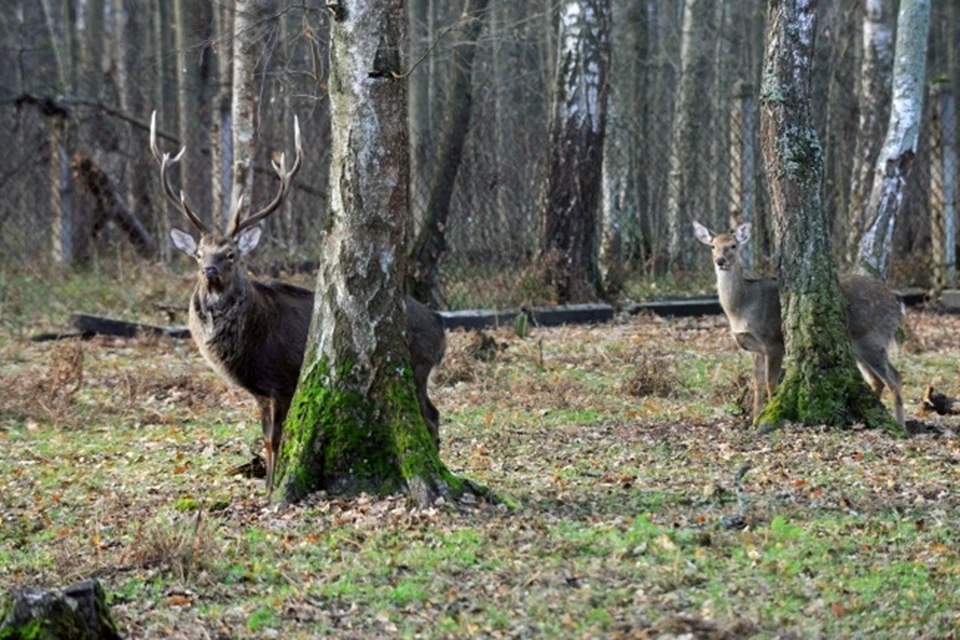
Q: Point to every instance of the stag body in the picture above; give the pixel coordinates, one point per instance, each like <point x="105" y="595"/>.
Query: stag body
<point x="752" y="307"/>
<point x="254" y="333"/>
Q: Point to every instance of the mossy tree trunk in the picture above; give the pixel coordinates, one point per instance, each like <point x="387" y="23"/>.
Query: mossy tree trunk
<point x="822" y="385"/>
<point x="355" y="424"/>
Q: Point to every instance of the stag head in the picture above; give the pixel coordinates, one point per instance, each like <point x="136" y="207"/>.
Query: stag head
<point x="218" y="253"/>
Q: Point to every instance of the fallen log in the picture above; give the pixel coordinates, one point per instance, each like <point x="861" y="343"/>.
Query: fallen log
<point x="87" y="326"/>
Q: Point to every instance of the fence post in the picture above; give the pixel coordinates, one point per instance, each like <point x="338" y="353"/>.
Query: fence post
<point x="943" y="187"/>
<point x="743" y="132"/>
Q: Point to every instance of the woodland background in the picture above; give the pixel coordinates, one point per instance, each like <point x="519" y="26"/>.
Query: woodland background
<point x="81" y="78"/>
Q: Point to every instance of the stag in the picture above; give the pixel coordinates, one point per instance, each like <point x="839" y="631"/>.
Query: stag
<point x="254" y="333"/>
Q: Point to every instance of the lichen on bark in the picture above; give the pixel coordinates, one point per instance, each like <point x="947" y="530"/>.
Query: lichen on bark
<point x="355" y="424"/>
<point x="822" y="384"/>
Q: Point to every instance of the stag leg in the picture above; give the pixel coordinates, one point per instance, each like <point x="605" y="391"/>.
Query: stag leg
<point x="266" y="422"/>
<point x="421" y="373"/>
<point x="274" y="412"/>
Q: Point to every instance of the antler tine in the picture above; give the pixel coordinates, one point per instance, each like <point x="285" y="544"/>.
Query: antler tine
<point x="286" y="179"/>
<point x="180" y="202"/>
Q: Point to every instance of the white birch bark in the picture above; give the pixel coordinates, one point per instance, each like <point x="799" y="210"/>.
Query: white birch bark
<point x="900" y="145"/>
<point x="246" y="47"/>
<point x="876" y="71"/>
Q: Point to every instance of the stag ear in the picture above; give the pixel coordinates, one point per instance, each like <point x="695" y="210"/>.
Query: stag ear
<point x="248" y="240"/>
<point x="184" y="241"/>
<point x="703" y="234"/>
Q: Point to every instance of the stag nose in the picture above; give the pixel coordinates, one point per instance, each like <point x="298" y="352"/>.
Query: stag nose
<point x="721" y="262"/>
<point x="211" y="273"/>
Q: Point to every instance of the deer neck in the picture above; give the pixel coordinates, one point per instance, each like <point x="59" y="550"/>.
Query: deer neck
<point x="731" y="288"/>
<point x="219" y="310"/>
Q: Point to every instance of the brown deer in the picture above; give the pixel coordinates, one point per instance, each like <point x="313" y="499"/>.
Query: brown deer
<point x="752" y="307"/>
<point x="254" y="333"/>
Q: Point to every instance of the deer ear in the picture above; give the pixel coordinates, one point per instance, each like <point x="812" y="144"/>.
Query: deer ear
<point x="249" y="240"/>
<point x="703" y="234"/>
<point x="184" y="241"/>
<point x="743" y="234"/>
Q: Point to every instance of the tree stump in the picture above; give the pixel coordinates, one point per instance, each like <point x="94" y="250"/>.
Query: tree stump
<point x="77" y="612"/>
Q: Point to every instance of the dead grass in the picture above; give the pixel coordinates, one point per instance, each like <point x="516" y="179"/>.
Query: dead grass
<point x="184" y="547"/>
<point x="654" y="374"/>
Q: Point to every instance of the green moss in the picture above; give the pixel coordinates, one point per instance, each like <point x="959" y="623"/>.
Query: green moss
<point x="822" y="386"/>
<point x="344" y="442"/>
<point x="186" y="504"/>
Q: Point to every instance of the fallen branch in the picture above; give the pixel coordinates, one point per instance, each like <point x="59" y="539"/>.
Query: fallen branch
<point x="87" y="326"/>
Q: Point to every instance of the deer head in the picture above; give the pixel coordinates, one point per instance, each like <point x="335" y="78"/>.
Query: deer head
<point x="725" y="246"/>
<point x="218" y="253"/>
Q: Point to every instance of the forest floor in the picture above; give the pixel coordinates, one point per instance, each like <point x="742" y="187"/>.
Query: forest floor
<point x="639" y="504"/>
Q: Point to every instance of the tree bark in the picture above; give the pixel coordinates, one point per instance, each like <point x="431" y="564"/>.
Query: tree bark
<point x="684" y="163"/>
<point x="190" y="129"/>
<point x="355" y="423"/>
<point x="619" y="197"/>
<point x="430" y="240"/>
<point x="876" y="72"/>
<point x="221" y="140"/>
<point x="900" y="145"/>
<point x="160" y="35"/>
<point x="822" y="386"/>
<point x="246" y="53"/>
<point x="418" y="22"/>
<point x="571" y="201"/>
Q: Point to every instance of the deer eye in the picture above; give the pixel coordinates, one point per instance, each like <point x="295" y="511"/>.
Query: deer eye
<point x="231" y="255"/>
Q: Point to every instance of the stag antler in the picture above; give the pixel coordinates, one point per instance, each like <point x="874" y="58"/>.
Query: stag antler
<point x="286" y="179"/>
<point x="165" y="163"/>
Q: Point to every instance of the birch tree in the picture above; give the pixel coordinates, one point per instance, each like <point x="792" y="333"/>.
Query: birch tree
<point x="355" y="423"/>
<point x="571" y="200"/>
<point x="246" y="53"/>
<point x="684" y="163"/>
<point x="822" y="385"/>
<point x="619" y="200"/>
<point x="900" y="145"/>
<point x="876" y="69"/>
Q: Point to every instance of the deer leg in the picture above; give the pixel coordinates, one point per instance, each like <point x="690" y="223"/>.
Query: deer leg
<point x="759" y="383"/>
<point x="266" y="423"/>
<point x="278" y="413"/>
<point x="774" y="366"/>
<point x="875" y="367"/>
<point x="894" y="381"/>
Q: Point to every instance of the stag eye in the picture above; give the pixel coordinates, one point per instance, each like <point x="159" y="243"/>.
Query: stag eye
<point x="231" y="255"/>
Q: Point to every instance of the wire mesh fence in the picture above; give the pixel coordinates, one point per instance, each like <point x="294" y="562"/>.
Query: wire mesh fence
<point x="83" y="194"/>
